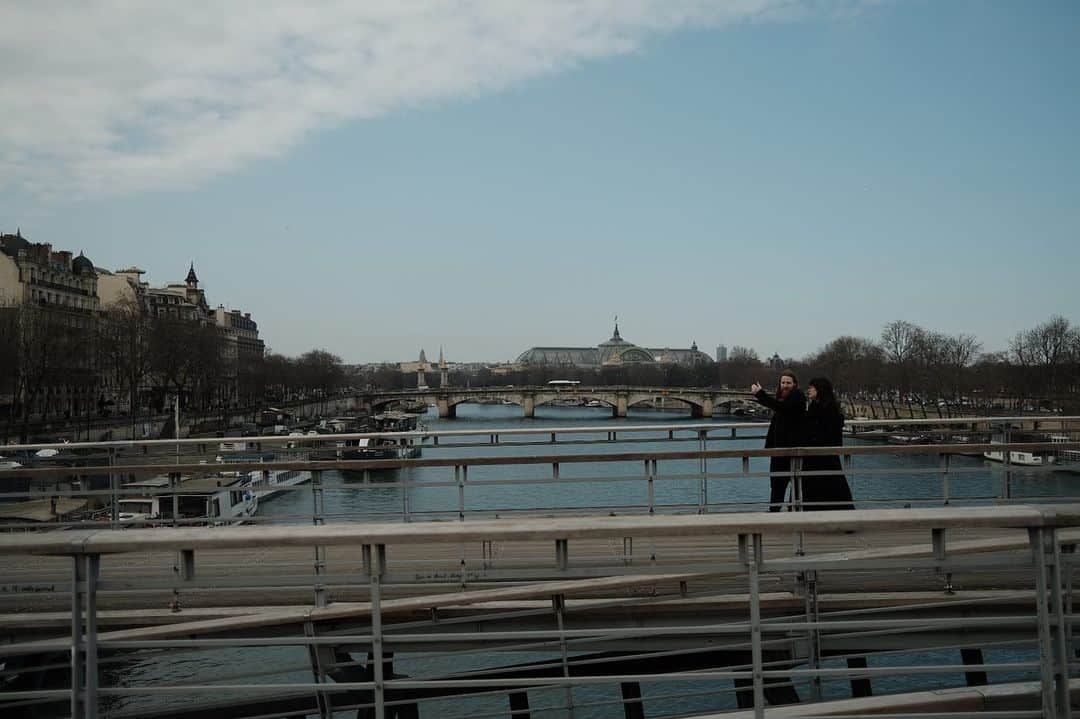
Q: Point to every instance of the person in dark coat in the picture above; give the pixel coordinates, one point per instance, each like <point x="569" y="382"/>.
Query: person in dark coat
<point x="823" y="426"/>
<point x="785" y="430"/>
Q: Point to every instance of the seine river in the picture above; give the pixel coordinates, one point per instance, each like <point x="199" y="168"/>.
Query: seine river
<point x="891" y="480"/>
<point x="614" y="487"/>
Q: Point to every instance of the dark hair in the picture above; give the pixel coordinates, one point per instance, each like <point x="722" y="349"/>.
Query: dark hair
<point x="789" y="373"/>
<point x="826" y="396"/>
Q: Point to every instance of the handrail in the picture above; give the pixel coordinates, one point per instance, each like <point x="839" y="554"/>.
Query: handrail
<point x="543" y="459"/>
<point x="168" y="538"/>
<point x="518" y="431"/>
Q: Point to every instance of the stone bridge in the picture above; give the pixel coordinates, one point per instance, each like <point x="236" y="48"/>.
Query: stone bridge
<point x="702" y="401"/>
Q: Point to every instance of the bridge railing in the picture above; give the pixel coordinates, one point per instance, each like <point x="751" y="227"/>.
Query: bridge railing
<point x="719" y="613"/>
<point x="625" y="469"/>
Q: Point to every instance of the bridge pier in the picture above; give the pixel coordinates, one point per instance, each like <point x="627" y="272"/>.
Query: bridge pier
<point x="446" y="410"/>
<point x="528" y="405"/>
<point x="705" y="409"/>
<point x="621" y="406"/>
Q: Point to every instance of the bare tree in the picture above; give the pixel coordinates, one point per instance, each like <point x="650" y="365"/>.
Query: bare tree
<point x="124" y="345"/>
<point x="900" y="341"/>
<point x="50" y="347"/>
<point x="1045" y="351"/>
<point x="743" y="355"/>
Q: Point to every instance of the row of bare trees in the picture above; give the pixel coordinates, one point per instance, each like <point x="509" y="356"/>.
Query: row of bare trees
<point x="1043" y="361"/>
<point x="315" y="373"/>
<point x="906" y="359"/>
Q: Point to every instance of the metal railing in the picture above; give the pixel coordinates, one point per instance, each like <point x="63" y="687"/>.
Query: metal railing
<point x="643" y="469"/>
<point x="720" y="611"/>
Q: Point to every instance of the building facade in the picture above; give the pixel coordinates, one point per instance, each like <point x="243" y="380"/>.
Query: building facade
<point x="54" y="337"/>
<point x="612" y="352"/>
<point x="49" y="300"/>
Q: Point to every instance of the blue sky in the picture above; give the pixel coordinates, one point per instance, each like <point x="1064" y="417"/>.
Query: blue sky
<point x="766" y="174"/>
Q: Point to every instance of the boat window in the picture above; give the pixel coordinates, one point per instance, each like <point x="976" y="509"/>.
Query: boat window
<point x="193" y="506"/>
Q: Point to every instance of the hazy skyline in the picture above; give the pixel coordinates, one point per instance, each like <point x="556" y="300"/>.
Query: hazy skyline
<point x="486" y="177"/>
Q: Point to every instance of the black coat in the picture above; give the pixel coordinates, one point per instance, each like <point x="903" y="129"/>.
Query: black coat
<point x="824" y="427"/>
<point x="785" y="429"/>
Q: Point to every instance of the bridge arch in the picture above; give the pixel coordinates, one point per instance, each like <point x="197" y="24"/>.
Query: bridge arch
<point x="700" y="406"/>
<point x="382" y="403"/>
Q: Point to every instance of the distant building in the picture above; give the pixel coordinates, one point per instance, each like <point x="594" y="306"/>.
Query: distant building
<point x="241" y="333"/>
<point x="181" y="301"/>
<point x="776" y="362"/>
<point x="421" y="364"/>
<point x="72" y="291"/>
<point x="34" y="272"/>
<point x="63" y="291"/>
<point x="614" y="351"/>
<point x="116" y="288"/>
<point x="721" y="353"/>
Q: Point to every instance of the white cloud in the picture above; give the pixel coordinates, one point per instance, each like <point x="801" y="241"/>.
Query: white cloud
<point x="107" y="96"/>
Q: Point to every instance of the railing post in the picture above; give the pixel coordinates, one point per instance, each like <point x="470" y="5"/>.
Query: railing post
<point x="114" y="487"/>
<point x="318" y="518"/>
<point x="84" y="668"/>
<point x="1053" y="660"/>
<point x="1006" y="461"/>
<point x="322" y="699"/>
<point x="753" y="562"/>
<point x="650" y="477"/>
<point x="813" y="644"/>
<point x="405" y="507"/>
<point x="459" y="478"/>
<point x="375" y="563"/>
<point x="797" y="501"/>
<point x="562" y="554"/>
<point x="703" y="498"/>
<point x="1067" y="588"/>
<point x="77" y="586"/>
<point x="937" y="543"/>
<point x="558" y="603"/>
<point x="945" y="461"/>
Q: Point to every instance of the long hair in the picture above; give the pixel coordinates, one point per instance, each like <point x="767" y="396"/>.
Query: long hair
<point x="826" y="397"/>
<point x="787" y="373"/>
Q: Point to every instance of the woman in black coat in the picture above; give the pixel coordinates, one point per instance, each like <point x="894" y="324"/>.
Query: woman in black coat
<point x="823" y="426"/>
<point x="785" y="430"/>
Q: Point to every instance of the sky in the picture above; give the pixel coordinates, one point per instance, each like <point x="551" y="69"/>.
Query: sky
<point x="484" y="176"/>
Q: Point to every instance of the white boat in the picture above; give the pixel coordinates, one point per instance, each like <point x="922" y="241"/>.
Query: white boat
<point x="402" y="447"/>
<point x="265" y="483"/>
<point x="1025" y="459"/>
<point x="218" y="498"/>
<point x="1067" y="459"/>
<point x="268" y="482"/>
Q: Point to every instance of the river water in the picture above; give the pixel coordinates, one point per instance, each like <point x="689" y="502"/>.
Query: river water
<point x="610" y="488"/>
<point x="618" y="487"/>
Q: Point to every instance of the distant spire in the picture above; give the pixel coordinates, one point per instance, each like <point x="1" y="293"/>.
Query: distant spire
<point x="616" y="335"/>
<point x="18" y="232"/>
<point x="442" y="360"/>
<point x="191" y="278"/>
